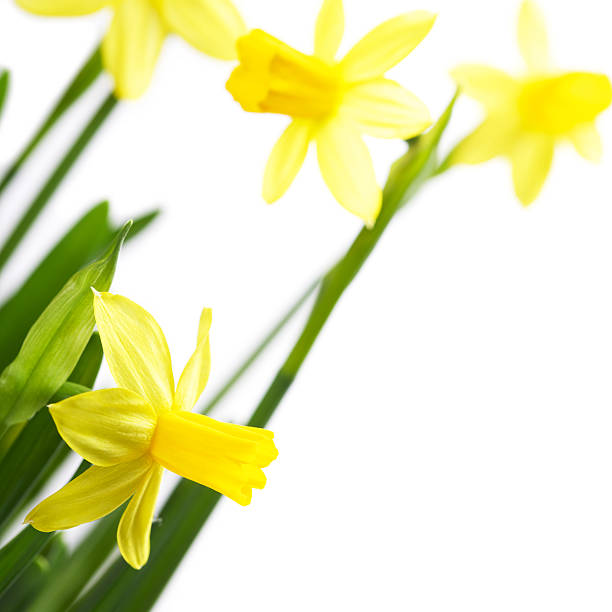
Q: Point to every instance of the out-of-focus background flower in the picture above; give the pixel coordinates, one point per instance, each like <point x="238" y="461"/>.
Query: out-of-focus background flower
<point x="447" y="443"/>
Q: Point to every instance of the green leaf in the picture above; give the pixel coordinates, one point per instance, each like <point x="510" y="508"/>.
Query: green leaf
<point x="19" y="553"/>
<point x="24" y="477"/>
<point x="87" y="74"/>
<point x="67" y="578"/>
<point x="76" y="249"/>
<point x="44" y="195"/>
<point x="55" y="342"/>
<point x="124" y="588"/>
<point x="39" y="450"/>
<point x="141" y="223"/>
<point x="88" y="366"/>
<point x="4" y="86"/>
<point x="23" y="590"/>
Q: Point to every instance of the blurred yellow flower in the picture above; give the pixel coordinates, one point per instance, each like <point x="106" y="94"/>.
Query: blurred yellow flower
<point x="139" y="27"/>
<point x="333" y="102"/>
<point x="527" y="115"/>
<point x="131" y="433"/>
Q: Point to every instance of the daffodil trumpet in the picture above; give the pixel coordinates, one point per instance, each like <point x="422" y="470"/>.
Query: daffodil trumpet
<point x="333" y="102"/>
<point x="528" y="115"/>
<point x="131" y="433"/>
<point x="139" y="27"/>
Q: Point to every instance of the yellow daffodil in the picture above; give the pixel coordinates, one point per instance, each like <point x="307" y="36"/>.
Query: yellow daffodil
<point x="139" y="27"/>
<point x="527" y="115"/>
<point x="131" y="433"/>
<point x="332" y="102"/>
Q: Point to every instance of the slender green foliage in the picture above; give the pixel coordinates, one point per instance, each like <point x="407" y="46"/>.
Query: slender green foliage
<point x="88" y="73"/>
<point x="57" y="176"/>
<point x="55" y="342"/>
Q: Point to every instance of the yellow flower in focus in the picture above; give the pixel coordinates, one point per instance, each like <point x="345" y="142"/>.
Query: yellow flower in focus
<point x="131" y="433"/>
<point x="333" y="102"/>
<point x="527" y="115"/>
<point x="139" y="27"/>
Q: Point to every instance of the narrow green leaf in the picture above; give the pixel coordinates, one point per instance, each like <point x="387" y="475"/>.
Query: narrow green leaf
<point x="4" y="86"/>
<point x="87" y="74"/>
<point x="141" y="223"/>
<point x="39" y="450"/>
<point x="38" y="443"/>
<point x="67" y="578"/>
<point x="23" y="591"/>
<point x="55" y="342"/>
<point x="88" y="366"/>
<point x="42" y="465"/>
<point x="121" y="588"/>
<point x="76" y="249"/>
<point x="19" y="553"/>
<point x="42" y="198"/>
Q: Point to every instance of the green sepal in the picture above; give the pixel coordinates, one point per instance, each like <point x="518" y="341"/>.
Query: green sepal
<point x="55" y="342"/>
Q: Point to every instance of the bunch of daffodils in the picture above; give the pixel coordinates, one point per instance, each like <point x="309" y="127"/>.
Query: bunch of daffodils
<point x="50" y="354"/>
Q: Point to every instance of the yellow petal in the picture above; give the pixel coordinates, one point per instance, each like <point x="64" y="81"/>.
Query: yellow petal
<point x="587" y="142"/>
<point x="196" y="372"/>
<point x="490" y="86"/>
<point x="329" y="29"/>
<point x="347" y="169"/>
<point x="383" y="108"/>
<point x="135" y="349"/>
<point x="90" y="496"/>
<point x="212" y="26"/>
<point x="286" y="159"/>
<point x="132" y="45"/>
<point x="133" y="534"/>
<point x="386" y="45"/>
<point x="532" y="37"/>
<point x="62" y="8"/>
<point x="106" y="427"/>
<point x="495" y="136"/>
<point x="531" y="160"/>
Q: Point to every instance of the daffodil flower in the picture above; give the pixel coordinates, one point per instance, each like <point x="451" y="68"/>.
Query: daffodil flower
<point x="332" y="102"/>
<point x="130" y="434"/>
<point x="138" y="29"/>
<point x="527" y="116"/>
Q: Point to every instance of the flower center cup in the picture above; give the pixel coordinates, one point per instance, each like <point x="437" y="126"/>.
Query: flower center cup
<point x="556" y="105"/>
<point x="227" y="458"/>
<point x="275" y="78"/>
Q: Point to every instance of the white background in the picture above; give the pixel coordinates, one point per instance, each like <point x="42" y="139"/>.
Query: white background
<point x="447" y="445"/>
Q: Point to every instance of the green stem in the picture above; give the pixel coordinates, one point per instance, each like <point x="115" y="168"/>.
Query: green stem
<point x="53" y="182"/>
<point x="248" y="362"/>
<point x="88" y="73"/>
